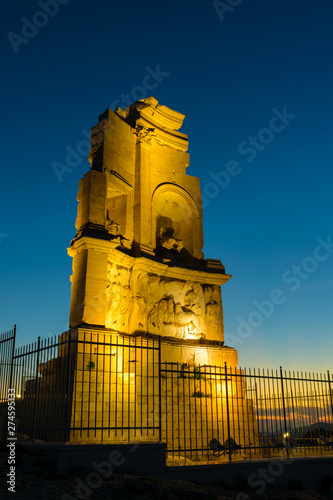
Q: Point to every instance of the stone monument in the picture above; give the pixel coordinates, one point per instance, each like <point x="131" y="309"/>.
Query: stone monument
<point x="145" y="357"/>
<point x="138" y="265"/>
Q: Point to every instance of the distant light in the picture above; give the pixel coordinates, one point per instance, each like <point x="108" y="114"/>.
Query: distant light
<point x="18" y="395"/>
<point x="286" y="435"/>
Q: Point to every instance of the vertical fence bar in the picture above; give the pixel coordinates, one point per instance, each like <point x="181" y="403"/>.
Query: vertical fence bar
<point x="259" y="425"/>
<point x="298" y="416"/>
<point x="207" y="444"/>
<point x="147" y="387"/>
<point x="232" y="411"/>
<point x="67" y="431"/>
<point x="41" y="402"/>
<point x="129" y="389"/>
<point x="235" y="385"/>
<point x="301" y="399"/>
<point x="103" y="389"/>
<point x="34" y="419"/>
<point x="12" y="360"/>
<point x="284" y="407"/>
<point x="309" y="408"/>
<point x="318" y="417"/>
<point x="5" y="396"/>
<point x="254" y="389"/>
<point x="227" y="403"/>
<point x="330" y="390"/>
<point x="160" y="390"/>
<point x="189" y="407"/>
<point x="247" y="405"/>
<point x="322" y="402"/>
<point x="96" y="349"/>
<point x="172" y="411"/>
<point x="135" y="391"/>
<point x="22" y="421"/>
<point x="216" y="405"/>
<point x="211" y="402"/>
<point x="178" y="407"/>
<point x="122" y="388"/>
<point x="166" y="401"/>
<point x="184" y="409"/>
<point x="195" y="409"/>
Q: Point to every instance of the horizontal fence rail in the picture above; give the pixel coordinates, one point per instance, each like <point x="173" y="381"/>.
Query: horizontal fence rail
<point x="88" y="386"/>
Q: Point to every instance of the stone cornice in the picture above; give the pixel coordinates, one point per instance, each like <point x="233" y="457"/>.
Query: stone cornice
<point x="161" y="134"/>
<point x="160" y="115"/>
<point x="144" y="264"/>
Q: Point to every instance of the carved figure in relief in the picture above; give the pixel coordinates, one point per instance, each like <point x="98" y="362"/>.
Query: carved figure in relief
<point x="187" y="323"/>
<point x="139" y="285"/>
<point x="212" y="313"/>
<point x="119" y="298"/>
<point x="168" y="241"/>
<point x="171" y="318"/>
<point x="163" y="313"/>
<point x="113" y="228"/>
<point x="213" y="308"/>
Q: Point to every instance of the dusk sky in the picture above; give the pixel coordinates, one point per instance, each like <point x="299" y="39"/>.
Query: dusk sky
<point x="254" y="80"/>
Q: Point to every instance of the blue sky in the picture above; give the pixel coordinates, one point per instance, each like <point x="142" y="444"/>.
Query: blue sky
<point x="230" y="73"/>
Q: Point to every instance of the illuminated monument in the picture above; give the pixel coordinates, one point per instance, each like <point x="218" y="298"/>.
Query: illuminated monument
<point x="138" y="266"/>
<point x="144" y="359"/>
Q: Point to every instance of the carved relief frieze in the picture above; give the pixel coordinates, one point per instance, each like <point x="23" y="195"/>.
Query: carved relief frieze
<point x="141" y="301"/>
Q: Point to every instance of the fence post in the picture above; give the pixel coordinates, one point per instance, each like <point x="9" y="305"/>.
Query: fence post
<point x="159" y="389"/>
<point x="12" y="361"/>
<point x="67" y="430"/>
<point x="330" y="390"/>
<point x="227" y="401"/>
<point x="34" y="419"/>
<point x="284" y="410"/>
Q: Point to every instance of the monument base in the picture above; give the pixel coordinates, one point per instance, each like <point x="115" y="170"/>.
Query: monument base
<point x="106" y="387"/>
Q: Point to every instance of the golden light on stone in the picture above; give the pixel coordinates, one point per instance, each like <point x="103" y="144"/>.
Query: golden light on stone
<point x="137" y="254"/>
<point x="139" y="270"/>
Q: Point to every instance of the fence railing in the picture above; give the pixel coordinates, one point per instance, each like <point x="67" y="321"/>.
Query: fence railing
<point x="89" y="386"/>
<point x="7" y="347"/>
<point x="226" y="413"/>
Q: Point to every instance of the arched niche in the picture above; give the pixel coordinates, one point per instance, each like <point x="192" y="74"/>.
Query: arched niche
<point x="176" y="223"/>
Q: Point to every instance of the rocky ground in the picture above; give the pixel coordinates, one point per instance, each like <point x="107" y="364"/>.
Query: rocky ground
<point x="36" y="482"/>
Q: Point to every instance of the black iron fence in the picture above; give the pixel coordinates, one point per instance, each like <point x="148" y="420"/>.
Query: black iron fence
<point x="224" y="413"/>
<point x="7" y="348"/>
<point x="88" y="386"/>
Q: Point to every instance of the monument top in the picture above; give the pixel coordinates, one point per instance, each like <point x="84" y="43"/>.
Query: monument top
<point x="154" y="113"/>
<point x="150" y="120"/>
